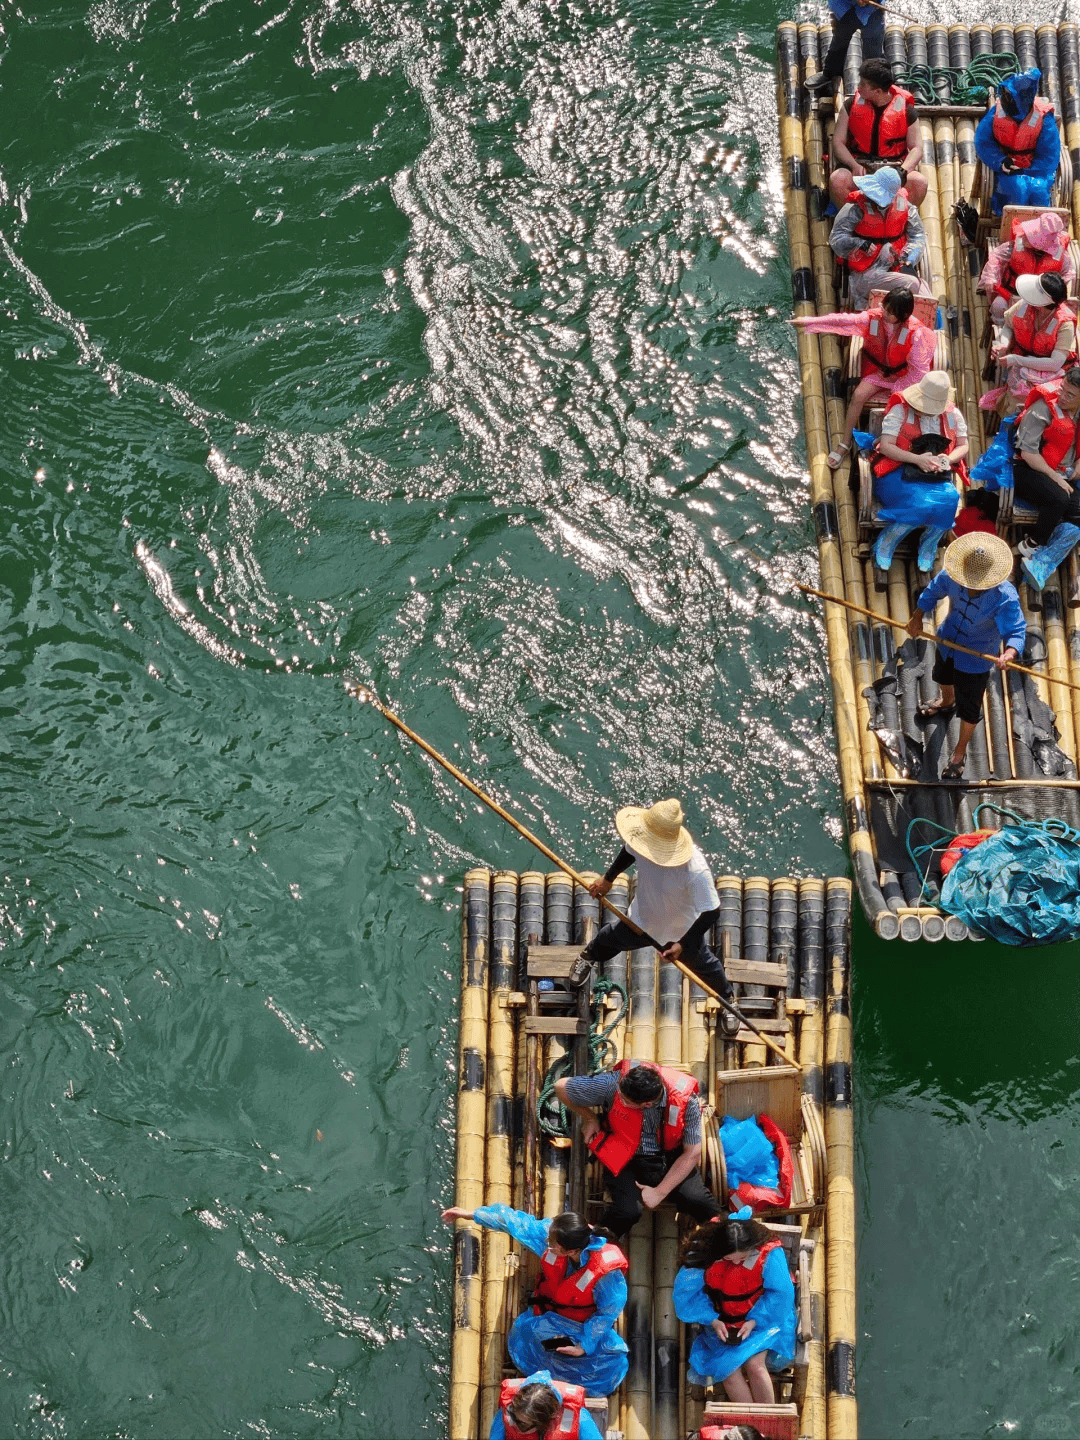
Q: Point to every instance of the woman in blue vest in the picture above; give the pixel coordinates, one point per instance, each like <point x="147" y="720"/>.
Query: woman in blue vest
<point x="580" y="1295"/>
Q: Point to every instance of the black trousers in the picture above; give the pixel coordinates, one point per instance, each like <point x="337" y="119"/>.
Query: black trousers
<point x="843" y="28"/>
<point x="704" y="962"/>
<point x="691" y="1197"/>
<point x="1054" y="505"/>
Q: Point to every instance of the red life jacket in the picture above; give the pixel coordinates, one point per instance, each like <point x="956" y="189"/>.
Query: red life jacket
<point x="1019" y="138"/>
<point x="882" y="226"/>
<point x="620" y="1131"/>
<point x="910" y="429"/>
<point x="572" y="1295"/>
<point x="880" y="134"/>
<point x="1030" y="340"/>
<point x="736" y="1289"/>
<point x="883" y="354"/>
<point x="1063" y="431"/>
<point x="1026" y="260"/>
<point x="758" y="1196"/>
<point x="566" y="1423"/>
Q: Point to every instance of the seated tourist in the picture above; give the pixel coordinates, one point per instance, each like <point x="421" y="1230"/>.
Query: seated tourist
<point x="1038" y="247"/>
<point x="540" y="1408"/>
<point x="923" y="437"/>
<point x="735" y="1283"/>
<point x="876" y="127"/>
<point x="1038" y="337"/>
<point x="578" y="1298"/>
<point x="1018" y="140"/>
<point x="1046" y="472"/>
<point x="897" y="351"/>
<point x="978" y="512"/>
<point x="879" y="235"/>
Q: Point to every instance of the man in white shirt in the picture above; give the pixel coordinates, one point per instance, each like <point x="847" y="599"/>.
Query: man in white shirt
<point x="675" y="902"/>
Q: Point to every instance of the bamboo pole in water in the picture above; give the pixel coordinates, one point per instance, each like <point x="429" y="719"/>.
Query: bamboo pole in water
<point x="469" y="1186"/>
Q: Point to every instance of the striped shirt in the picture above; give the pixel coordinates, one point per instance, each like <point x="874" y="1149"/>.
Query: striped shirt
<point x="599" y="1091"/>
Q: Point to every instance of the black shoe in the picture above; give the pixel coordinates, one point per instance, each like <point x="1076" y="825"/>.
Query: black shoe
<point x="580" y="970"/>
<point x="819" y="82"/>
<point x="730" y="1024"/>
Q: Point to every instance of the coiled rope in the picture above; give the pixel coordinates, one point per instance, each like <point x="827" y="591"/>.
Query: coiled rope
<point x="970" y="86"/>
<point x="551" y="1113"/>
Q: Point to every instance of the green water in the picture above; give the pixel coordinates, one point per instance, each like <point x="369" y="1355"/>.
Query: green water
<point x="443" y="346"/>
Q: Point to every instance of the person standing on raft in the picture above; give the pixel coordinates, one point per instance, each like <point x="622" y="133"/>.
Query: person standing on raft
<point x="648" y="1139"/>
<point x="984" y="611"/>
<point x="848" y="17"/>
<point x="579" y="1296"/>
<point x="540" y="1408"/>
<point x="735" y="1283"/>
<point x="1018" y="140"/>
<point x="675" y="902"/>
<point x="897" y="351"/>
<point x="877" y="127"/>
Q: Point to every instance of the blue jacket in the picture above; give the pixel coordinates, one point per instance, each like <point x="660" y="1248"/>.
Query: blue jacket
<point x="982" y="621"/>
<point x="843" y="7"/>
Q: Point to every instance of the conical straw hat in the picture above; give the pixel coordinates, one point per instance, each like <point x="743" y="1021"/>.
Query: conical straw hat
<point x="978" y="560"/>
<point x="657" y="834"/>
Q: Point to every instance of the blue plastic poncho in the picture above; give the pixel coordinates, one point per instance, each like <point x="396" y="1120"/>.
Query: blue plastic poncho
<point x="1021" y="886"/>
<point x="602" y="1368"/>
<point x="994" y="468"/>
<point x="711" y="1359"/>
<point x="748" y="1155"/>
<point x="1030" y="186"/>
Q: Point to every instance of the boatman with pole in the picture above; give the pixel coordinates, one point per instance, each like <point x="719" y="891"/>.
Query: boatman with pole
<point x="984" y="610"/>
<point x="675" y="901"/>
<point x="847" y="18"/>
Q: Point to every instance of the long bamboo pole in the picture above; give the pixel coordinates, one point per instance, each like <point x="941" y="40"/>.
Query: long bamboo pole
<point x="948" y="644"/>
<point x="367" y="696"/>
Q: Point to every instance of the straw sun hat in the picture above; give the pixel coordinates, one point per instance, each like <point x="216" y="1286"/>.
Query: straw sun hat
<point x="931" y="395"/>
<point x="978" y="560"/>
<point x="657" y="834"/>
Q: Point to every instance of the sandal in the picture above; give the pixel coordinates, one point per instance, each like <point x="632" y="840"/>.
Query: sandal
<point x="937" y="711"/>
<point x="953" y="771"/>
<point x="835" y="458"/>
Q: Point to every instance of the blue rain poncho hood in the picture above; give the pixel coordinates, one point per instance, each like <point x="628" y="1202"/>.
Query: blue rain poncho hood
<point x="1020" y="91"/>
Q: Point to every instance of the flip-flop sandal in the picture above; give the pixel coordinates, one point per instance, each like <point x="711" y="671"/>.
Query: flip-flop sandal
<point x="835" y="458"/>
<point x="935" y="712"/>
<point x="953" y="771"/>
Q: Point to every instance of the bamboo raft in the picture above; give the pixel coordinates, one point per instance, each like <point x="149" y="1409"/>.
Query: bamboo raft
<point x="1024" y="755"/>
<point x="786" y="946"/>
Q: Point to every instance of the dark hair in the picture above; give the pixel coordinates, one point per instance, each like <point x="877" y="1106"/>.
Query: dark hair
<point x="570" y="1231"/>
<point x="709" y="1243"/>
<point x="1054" y="286"/>
<point x="899" y="303"/>
<point x="534" y="1407"/>
<point x="744" y="1432"/>
<point x="985" y="501"/>
<point x="876" y="72"/>
<point x="1072" y="376"/>
<point x="642" y="1085"/>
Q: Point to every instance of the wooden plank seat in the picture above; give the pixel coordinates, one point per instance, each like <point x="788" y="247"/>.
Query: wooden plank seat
<point x="776" y="1091"/>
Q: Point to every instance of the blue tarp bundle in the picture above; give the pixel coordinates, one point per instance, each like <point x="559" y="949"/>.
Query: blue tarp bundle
<point x="748" y="1154"/>
<point x="1021" y="886"/>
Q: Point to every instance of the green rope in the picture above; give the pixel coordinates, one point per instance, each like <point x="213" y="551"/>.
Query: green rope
<point x="603" y="1053"/>
<point x="970" y="86"/>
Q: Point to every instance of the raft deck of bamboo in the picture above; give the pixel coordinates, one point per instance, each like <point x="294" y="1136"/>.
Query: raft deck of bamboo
<point x="1024" y="755"/>
<point x="786" y="944"/>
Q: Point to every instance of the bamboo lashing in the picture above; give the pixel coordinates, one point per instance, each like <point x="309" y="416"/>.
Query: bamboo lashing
<point x="367" y="696"/>
<point x="945" y="644"/>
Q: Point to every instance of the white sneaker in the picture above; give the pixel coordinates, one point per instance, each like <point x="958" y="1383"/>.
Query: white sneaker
<point x="1026" y="548"/>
